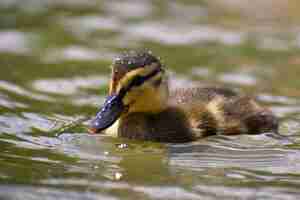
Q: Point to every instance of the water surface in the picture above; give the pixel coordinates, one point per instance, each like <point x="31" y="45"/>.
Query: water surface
<point x="54" y="64"/>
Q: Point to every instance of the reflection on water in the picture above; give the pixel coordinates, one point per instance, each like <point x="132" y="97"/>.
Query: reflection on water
<point x="13" y="42"/>
<point x="54" y="63"/>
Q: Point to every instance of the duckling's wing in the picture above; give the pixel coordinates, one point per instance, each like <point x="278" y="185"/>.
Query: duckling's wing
<point x="205" y="94"/>
<point x="221" y="110"/>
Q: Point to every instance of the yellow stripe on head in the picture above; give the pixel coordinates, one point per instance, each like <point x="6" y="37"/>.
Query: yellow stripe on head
<point x="143" y="71"/>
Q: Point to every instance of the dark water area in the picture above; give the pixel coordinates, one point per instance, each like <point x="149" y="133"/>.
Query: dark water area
<point x="54" y="71"/>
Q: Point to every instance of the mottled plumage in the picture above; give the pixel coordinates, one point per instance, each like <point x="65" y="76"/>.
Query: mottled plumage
<point x="148" y="111"/>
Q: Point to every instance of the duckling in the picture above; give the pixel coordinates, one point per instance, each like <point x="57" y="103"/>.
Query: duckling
<point x="141" y="106"/>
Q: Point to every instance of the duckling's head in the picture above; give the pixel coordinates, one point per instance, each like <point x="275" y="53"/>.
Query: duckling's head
<point x="138" y="84"/>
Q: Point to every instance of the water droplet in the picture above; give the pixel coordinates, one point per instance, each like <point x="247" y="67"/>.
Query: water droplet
<point x="118" y="176"/>
<point x="96" y="167"/>
<point x="122" y="146"/>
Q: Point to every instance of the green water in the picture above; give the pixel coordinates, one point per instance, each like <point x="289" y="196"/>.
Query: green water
<point x="54" y="69"/>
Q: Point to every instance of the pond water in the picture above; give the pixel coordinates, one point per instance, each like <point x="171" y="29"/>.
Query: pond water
<point x="54" y="68"/>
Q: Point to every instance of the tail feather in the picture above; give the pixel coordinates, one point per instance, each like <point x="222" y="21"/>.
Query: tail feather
<point x="261" y="122"/>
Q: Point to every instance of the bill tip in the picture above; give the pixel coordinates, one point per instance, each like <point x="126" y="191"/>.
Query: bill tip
<point x="92" y="131"/>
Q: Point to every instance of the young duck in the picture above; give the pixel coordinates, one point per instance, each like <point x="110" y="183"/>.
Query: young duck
<point x="140" y="106"/>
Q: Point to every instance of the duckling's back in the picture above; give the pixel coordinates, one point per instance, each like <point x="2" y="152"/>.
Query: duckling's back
<point x="223" y="111"/>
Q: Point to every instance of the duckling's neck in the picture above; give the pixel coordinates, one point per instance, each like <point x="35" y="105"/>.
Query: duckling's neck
<point x="152" y="102"/>
<point x="170" y="125"/>
<point x="148" y="100"/>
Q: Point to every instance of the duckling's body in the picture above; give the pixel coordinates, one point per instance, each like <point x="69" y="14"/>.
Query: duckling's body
<point x="143" y="108"/>
<point x="198" y="112"/>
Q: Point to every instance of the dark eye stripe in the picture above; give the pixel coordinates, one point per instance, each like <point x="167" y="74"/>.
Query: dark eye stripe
<point x="138" y="80"/>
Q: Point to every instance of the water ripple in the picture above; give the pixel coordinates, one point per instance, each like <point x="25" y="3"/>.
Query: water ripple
<point x="35" y="193"/>
<point x="168" y="34"/>
<point x="238" y="152"/>
<point x="69" y="86"/>
<point x="16" y="89"/>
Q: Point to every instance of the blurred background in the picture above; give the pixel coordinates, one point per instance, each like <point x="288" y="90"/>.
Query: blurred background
<point x="54" y="70"/>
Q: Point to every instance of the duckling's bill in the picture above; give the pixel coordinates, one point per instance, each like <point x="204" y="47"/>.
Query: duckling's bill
<point x="112" y="109"/>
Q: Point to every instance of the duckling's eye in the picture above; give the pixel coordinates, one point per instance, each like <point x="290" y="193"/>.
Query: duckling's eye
<point x="137" y="81"/>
